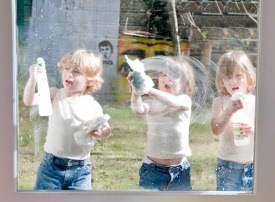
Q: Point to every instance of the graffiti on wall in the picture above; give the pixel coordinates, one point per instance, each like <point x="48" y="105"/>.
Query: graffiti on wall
<point x="106" y="50"/>
<point x="143" y="47"/>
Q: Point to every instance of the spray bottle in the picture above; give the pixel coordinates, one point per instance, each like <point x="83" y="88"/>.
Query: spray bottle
<point x="237" y="119"/>
<point x="44" y="99"/>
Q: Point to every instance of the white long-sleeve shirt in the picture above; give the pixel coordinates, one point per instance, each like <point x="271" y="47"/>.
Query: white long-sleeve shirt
<point x="227" y="149"/>
<point x="168" y="131"/>
<point x="67" y="118"/>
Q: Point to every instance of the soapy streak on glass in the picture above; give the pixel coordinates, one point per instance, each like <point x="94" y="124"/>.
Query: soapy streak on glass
<point x="38" y="124"/>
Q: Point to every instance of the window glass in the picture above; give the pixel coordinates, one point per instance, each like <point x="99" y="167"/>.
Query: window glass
<point x="201" y="30"/>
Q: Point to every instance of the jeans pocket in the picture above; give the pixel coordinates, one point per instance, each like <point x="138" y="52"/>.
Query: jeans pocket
<point x="88" y="167"/>
<point x="143" y="170"/>
<point x="220" y="171"/>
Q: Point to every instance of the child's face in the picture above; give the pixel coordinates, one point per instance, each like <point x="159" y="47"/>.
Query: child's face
<point x="236" y="83"/>
<point x="73" y="81"/>
<point x="168" y="85"/>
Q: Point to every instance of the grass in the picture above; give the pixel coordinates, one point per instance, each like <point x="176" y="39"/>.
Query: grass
<point x="116" y="160"/>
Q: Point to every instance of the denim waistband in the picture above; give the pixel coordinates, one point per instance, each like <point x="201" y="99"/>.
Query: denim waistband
<point x="65" y="162"/>
<point x="233" y="165"/>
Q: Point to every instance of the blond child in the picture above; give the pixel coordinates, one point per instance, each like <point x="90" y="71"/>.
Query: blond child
<point x="168" y="110"/>
<point x="235" y="74"/>
<point x="66" y="164"/>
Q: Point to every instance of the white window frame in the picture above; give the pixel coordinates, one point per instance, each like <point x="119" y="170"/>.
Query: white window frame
<point x="265" y="130"/>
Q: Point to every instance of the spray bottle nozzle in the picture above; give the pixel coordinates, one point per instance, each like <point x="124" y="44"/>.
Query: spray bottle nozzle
<point x="41" y="62"/>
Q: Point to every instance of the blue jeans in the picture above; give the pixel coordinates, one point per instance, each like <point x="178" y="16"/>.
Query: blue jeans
<point x="165" y="178"/>
<point x="234" y="176"/>
<point x="56" y="173"/>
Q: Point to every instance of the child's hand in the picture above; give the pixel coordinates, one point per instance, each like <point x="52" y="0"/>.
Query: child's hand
<point x="247" y="129"/>
<point x="34" y="69"/>
<point x="136" y="79"/>
<point x="140" y="83"/>
<point x="130" y="78"/>
<point x="103" y="132"/>
<point x="96" y="133"/>
<point x="235" y="105"/>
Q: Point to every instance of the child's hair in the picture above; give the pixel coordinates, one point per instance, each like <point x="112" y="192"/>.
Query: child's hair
<point x="226" y="66"/>
<point x="180" y="68"/>
<point x="86" y="62"/>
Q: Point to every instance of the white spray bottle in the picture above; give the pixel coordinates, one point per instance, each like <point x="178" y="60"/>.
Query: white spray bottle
<point x="237" y="119"/>
<point x="44" y="99"/>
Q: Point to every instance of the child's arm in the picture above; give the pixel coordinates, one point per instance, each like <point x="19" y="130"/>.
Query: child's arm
<point x="181" y="102"/>
<point x="220" y="117"/>
<point x="30" y="98"/>
<point x="138" y="106"/>
<point x="103" y="132"/>
<point x="53" y="92"/>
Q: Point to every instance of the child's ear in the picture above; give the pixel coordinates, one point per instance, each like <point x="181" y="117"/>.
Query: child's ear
<point x="89" y="83"/>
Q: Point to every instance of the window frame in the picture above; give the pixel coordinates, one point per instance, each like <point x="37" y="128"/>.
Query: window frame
<point x="265" y="116"/>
